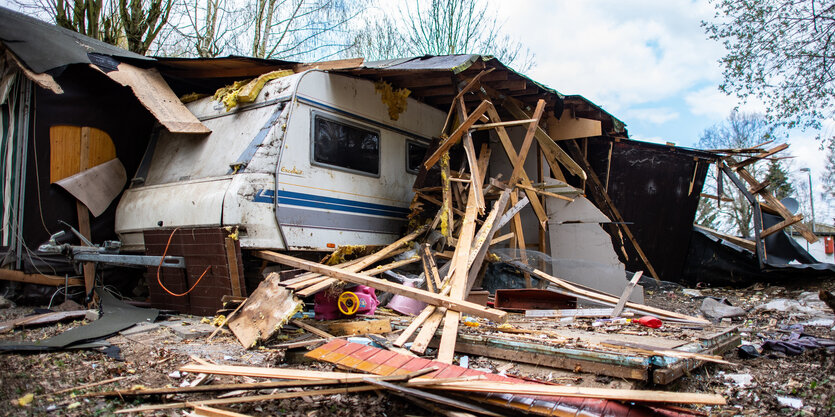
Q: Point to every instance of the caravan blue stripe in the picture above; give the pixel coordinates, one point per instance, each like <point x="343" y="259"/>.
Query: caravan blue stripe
<point x="336" y="207"/>
<point x="329" y="203"/>
<point x="353" y="203"/>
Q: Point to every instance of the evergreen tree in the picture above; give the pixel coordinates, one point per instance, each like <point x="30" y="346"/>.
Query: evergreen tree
<point x="779" y="184"/>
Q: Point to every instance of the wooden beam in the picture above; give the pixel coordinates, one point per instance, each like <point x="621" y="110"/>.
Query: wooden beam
<point x="511" y="123"/>
<point x="251" y="399"/>
<point x="435" y="398"/>
<point x="427" y="332"/>
<point x="745" y="243"/>
<point x="414" y="325"/>
<point x="311" y="329"/>
<point x="647" y="396"/>
<point x="232" y="264"/>
<point x="205" y="411"/>
<point x="383" y="285"/>
<point x="780" y="226"/>
<point x="526" y="144"/>
<point x="627" y="291"/>
<point x="759" y="156"/>
<point x="430" y="268"/>
<point x="456" y="135"/>
<point x="20" y="276"/>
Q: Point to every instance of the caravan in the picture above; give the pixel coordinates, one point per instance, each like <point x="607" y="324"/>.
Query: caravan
<point x="316" y="161"/>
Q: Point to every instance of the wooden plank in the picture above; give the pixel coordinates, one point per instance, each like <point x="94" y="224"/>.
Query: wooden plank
<point x="435" y="398"/>
<point x="39" y="319"/>
<point x="155" y="95"/>
<point x="392" y="265"/>
<point x="755" y="209"/>
<point x="486" y="126"/>
<point x="380" y="326"/>
<point x="759" y="156"/>
<point x="232" y="263"/>
<point x="780" y="226"/>
<point x="255" y="371"/>
<point x="460" y="261"/>
<point x="518" y="241"/>
<point x="251" y="386"/>
<point x="312" y="329"/>
<point x="430" y="268"/>
<point x="53" y="280"/>
<point x="362" y="263"/>
<point x="456" y="135"/>
<point x="91" y="385"/>
<point x="501" y="239"/>
<point x="745" y="243"/>
<point x="413" y="326"/>
<point x="627" y="291"/>
<point x="660" y="351"/>
<point x="604" y="298"/>
<point x="251" y="399"/>
<point x="264" y="312"/>
<point x="571" y="312"/>
<point x="383" y="285"/>
<point x="544" y="193"/>
<point x="647" y="396"/>
<point x="205" y="411"/>
<point x="476" y="178"/>
<point x="485" y="234"/>
<point x="511" y="212"/>
<point x="427" y="332"/>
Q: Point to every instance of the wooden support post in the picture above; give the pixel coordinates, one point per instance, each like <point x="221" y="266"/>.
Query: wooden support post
<point x="84" y="213"/>
<point x="627" y="291"/>
<point x="456" y="135"/>
<point x="755" y="207"/>
<point x="232" y="263"/>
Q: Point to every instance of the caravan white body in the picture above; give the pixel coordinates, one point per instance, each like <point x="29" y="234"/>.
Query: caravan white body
<point x="275" y="169"/>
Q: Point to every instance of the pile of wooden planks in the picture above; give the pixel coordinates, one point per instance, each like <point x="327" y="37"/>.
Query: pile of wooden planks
<point x="426" y="383"/>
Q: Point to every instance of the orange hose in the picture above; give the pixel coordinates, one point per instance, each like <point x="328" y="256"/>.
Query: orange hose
<point x="159" y="281"/>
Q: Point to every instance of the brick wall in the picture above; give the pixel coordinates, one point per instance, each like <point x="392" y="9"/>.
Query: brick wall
<point x="201" y="248"/>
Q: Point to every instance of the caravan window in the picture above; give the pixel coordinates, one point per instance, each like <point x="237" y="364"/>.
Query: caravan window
<point x="415" y="152"/>
<point x="347" y="146"/>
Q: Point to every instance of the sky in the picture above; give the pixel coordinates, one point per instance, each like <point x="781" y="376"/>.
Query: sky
<point x="650" y="64"/>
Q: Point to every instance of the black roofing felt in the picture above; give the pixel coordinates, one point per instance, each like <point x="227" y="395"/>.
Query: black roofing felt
<point x="43" y="46"/>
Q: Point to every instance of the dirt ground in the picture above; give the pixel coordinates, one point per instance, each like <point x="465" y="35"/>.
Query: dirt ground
<point x="150" y="358"/>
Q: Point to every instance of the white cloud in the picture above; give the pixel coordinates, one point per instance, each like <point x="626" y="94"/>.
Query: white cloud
<point x="617" y="54"/>
<point x="657" y="115"/>
<point x="711" y="102"/>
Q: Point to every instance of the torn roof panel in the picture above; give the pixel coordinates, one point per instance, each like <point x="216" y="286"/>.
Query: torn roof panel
<point x="43" y="46"/>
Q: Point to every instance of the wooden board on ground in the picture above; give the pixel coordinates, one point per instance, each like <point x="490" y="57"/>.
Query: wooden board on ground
<point x="360" y="327"/>
<point x="263" y="313"/>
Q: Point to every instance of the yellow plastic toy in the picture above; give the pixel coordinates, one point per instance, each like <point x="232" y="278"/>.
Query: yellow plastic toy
<point x="348" y="303"/>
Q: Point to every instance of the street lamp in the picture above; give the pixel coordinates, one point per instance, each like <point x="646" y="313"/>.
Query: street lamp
<point x="811" y="196"/>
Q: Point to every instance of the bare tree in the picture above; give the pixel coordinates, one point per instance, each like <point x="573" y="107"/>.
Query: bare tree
<point x="203" y="28"/>
<point x="136" y="22"/>
<point x="300" y="29"/>
<point x="142" y="21"/>
<point x="440" y="27"/>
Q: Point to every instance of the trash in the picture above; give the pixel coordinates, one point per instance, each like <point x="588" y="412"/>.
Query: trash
<point x="649" y="321"/>
<point x="787" y="306"/>
<point x="740" y="380"/>
<point x="790" y="402"/>
<point x="692" y="293"/>
<point x="716" y="310"/>
<point x="796" y="344"/>
<point x="748" y="352"/>
<point x="26" y="400"/>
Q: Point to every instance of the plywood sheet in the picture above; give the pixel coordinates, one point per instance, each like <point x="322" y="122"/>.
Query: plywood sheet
<point x="98" y="186"/>
<point x="263" y="313"/>
<point x="155" y="94"/>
